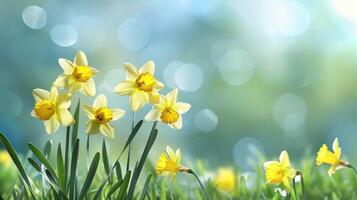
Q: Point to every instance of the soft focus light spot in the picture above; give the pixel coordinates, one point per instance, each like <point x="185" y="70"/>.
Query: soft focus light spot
<point x="236" y="67"/>
<point x="250" y="179"/>
<point x="34" y="17"/>
<point x="189" y="77"/>
<point x="169" y="74"/>
<point x="113" y="78"/>
<point x="134" y="34"/>
<point x="206" y="120"/>
<point x="247" y="153"/>
<point x="64" y="35"/>
<point x="290" y="111"/>
<point x="346" y="8"/>
<point x="11" y="105"/>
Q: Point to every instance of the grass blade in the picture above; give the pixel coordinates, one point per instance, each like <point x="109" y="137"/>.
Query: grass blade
<point x="90" y="176"/>
<point x="66" y="155"/>
<point x="61" y="169"/>
<point x="143" y="158"/>
<point x="118" y="171"/>
<point x="133" y="134"/>
<point x="146" y="187"/>
<point x="114" y="188"/>
<point x="105" y="157"/>
<point x="47" y="149"/>
<point x="73" y="172"/>
<point x="123" y="188"/>
<point x="76" y="124"/>
<point x="42" y="158"/>
<point x="34" y="165"/>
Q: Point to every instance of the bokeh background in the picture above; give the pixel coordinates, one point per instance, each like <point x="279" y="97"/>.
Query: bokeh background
<point x="261" y="75"/>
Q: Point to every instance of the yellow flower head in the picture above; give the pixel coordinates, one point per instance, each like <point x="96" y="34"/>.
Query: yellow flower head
<point x="331" y="158"/>
<point x="100" y="117"/>
<point x="5" y="159"/>
<point x="52" y="108"/>
<point x="169" y="164"/>
<point x="280" y="172"/>
<point x="77" y="76"/>
<point x="226" y="179"/>
<point x="140" y="85"/>
<point x="168" y="110"/>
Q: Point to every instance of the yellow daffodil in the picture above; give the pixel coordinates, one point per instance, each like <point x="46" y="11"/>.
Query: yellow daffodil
<point x="52" y="108"/>
<point x="100" y="117"/>
<point x="280" y="172"/>
<point x="331" y="158"/>
<point x="226" y="179"/>
<point x="140" y="85"/>
<point x="5" y="159"/>
<point x="170" y="163"/>
<point x="77" y="76"/>
<point x="168" y="110"/>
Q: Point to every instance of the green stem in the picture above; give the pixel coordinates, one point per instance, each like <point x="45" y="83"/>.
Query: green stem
<point x="348" y="165"/>
<point x="132" y="128"/>
<point x="88" y="153"/>
<point x="190" y="171"/>
<point x="298" y="173"/>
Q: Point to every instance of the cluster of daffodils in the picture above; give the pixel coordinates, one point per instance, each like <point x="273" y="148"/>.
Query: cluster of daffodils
<point x="52" y="107"/>
<point x="281" y="172"/>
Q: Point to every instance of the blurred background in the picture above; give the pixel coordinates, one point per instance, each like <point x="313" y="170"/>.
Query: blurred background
<point x="261" y="75"/>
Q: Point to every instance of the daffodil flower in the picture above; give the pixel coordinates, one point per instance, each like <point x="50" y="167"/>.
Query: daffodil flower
<point x="331" y="158"/>
<point x="226" y="179"/>
<point x="5" y="159"/>
<point x="52" y="108"/>
<point x="100" y="117"/>
<point x="168" y="110"/>
<point x="77" y="76"/>
<point x="280" y="172"/>
<point x="140" y="85"/>
<point x="170" y="163"/>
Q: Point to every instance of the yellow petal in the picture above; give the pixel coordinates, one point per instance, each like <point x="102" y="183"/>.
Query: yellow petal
<point x="101" y="101"/>
<point x="74" y="87"/>
<point x="182" y="107"/>
<point x="40" y="95"/>
<point x="154" y="97"/>
<point x="137" y="100"/>
<point x="66" y="65"/>
<point x="89" y="110"/>
<point x="125" y="88"/>
<point x="336" y="148"/>
<point x="92" y="128"/>
<point x="284" y="159"/>
<point x="61" y="81"/>
<point x="107" y="130"/>
<point x="88" y="88"/>
<point x="117" y="113"/>
<point x="268" y="163"/>
<point x="64" y="101"/>
<point x="177" y="124"/>
<point x="286" y="183"/>
<point x="159" y="85"/>
<point x="148" y="67"/>
<point x="81" y="59"/>
<point x="171" y="153"/>
<point x="153" y="115"/>
<point x="65" y="117"/>
<point x="172" y="97"/>
<point x="53" y="94"/>
<point x="178" y="156"/>
<point x="131" y="71"/>
<point x="52" y="125"/>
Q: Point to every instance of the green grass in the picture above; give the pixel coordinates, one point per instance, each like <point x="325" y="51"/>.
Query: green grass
<point x="54" y="172"/>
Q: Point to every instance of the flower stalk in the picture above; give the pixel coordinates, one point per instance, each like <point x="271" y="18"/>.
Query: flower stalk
<point x="190" y="171"/>
<point x="298" y="173"/>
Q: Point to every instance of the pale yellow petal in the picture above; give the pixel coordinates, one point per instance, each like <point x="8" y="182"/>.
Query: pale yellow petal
<point x="64" y="101"/>
<point x="268" y="163"/>
<point x="60" y="81"/>
<point x="137" y="100"/>
<point x="81" y="59"/>
<point x="159" y="85"/>
<point x="117" y="113"/>
<point x="33" y="114"/>
<point x="178" y="156"/>
<point x="171" y="153"/>
<point x="65" y="117"/>
<point x="177" y="124"/>
<point x="101" y="101"/>
<point x="336" y="148"/>
<point x="131" y="71"/>
<point x="40" y="94"/>
<point x="171" y="97"/>
<point x="66" y="65"/>
<point x="154" y="97"/>
<point x="125" y="88"/>
<point x="153" y="115"/>
<point x="92" y="127"/>
<point x="88" y="88"/>
<point x="182" y="107"/>
<point x="107" y="130"/>
<point x="52" y="125"/>
<point x="74" y="87"/>
<point x="90" y="111"/>
<point x="284" y="159"/>
<point x="148" y="67"/>
<point x="53" y="94"/>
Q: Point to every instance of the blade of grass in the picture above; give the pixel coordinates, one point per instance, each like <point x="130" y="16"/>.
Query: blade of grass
<point x="114" y="188"/>
<point x="105" y="157"/>
<point x="76" y="124"/>
<point x="42" y="158"/>
<point x="66" y="156"/>
<point x="73" y="172"/>
<point x="5" y="142"/>
<point x="132" y="135"/>
<point x="60" y="169"/>
<point x="146" y="187"/>
<point x="123" y="188"/>
<point x="118" y="171"/>
<point x="47" y="149"/>
<point x="90" y="176"/>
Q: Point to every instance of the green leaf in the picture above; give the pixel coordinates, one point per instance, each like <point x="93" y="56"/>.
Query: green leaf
<point x="105" y="158"/>
<point x="73" y="172"/>
<point x="16" y="160"/>
<point x="90" y="176"/>
<point x="146" y="187"/>
<point x="60" y="169"/>
<point x="123" y="188"/>
<point x="66" y="155"/>
<point x="143" y="158"/>
<point x="47" y="149"/>
<point x="114" y="188"/>
<point x="34" y="165"/>
<point x="118" y="171"/>
<point x="42" y="158"/>
<point x="76" y="124"/>
<point x="133" y="134"/>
